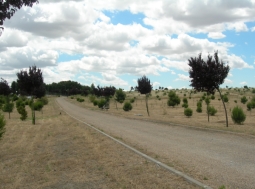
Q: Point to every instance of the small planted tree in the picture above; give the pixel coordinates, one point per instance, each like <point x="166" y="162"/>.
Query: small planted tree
<point x="2" y="125"/>
<point x="173" y="99"/>
<point x="244" y="99"/>
<point x="238" y="115"/>
<point x="127" y="106"/>
<point x="8" y="106"/>
<point x="144" y="87"/>
<point x="185" y="102"/>
<point x="188" y="112"/>
<point x="199" y="106"/>
<point x="208" y="76"/>
<point x="31" y="83"/>
<point x="120" y="96"/>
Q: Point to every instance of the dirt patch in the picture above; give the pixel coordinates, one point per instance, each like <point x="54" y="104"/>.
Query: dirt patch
<point x="59" y="152"/>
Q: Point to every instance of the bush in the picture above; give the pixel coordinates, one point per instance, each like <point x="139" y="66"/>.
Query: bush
<point x="80" y="99"/>
<point x="101" y="103"/>
<point x="244" y="99"/>
<point x="92" y="98"/>
<point x="225" y="98"/>
<point x="238" y="115"/>
<point x="71" y="97"/>
<point x="188" y="112"/>
<point x="185" y="105"/>
<point x="15" y="97"/>
<point x="199" y="109"/>
<point x="38" y="105"/>
<point x="173" y="99"/>
<point x="235" y="101"/>
<point x="20" y="102"/>
<point x="185" y="100"/>
<point x="253" y="90"/>
<point x="132" y="100"/>
<point x="22" y="111"/>
<point x="2" y="125"/>
<point x="127" y="106"/>
<point x="199" y="104"/>
<point x="95" y="102"/>
<point x="212" y="97"/>
<point x="44" y="100"/>
<point x="211" y="110"/>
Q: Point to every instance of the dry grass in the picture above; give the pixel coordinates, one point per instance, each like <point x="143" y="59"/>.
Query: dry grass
<point x="160" y="112"/>
<point x="59" y="152"/>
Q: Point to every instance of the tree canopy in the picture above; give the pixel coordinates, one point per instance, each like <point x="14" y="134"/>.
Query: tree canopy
<point x="4" y="87"/>
<point x="207" y="76"/>
<point x="31" y="82"/>
<point x="144" y="85"/>
<point x="9" y="7"/>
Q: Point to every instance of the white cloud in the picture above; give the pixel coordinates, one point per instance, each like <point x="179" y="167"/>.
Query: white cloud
<point x="228" y="81"/>
<point x="216" y="35"/>
<point x="155" y="85"/>
<point x="253" y="29"/>
<point x="182" y="77"/>
<point x="243" y="83"/>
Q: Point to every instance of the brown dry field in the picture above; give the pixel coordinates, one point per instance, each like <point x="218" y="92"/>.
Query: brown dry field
<point x="161" y="112"/>
<point x="59" y="152"/>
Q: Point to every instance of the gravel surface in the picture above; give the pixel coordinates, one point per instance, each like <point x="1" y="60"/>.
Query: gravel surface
<point x="214" y="158"/>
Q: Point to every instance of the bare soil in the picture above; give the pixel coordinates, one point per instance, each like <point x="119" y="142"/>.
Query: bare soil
<point x="59" y="152"/>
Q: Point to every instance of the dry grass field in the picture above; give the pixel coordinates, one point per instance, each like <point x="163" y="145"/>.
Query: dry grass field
<point x="161" y="112"/>
<point x="61" y="153"/>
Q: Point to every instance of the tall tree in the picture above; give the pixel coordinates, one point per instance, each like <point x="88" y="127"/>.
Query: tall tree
<point x="4" y="87"/>
<point x="31" y="83"/>
<point x="9" y="7"/>
<point x="14" y="87"/>
<point x="208" y="76"/>
<point x="144" y="87"/>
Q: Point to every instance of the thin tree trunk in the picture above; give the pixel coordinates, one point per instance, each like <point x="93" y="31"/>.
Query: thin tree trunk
<point x="207" y="112"/>
<point x="146" y="100"/>
<point x="9" y="115"/>
<point x="224" y="107"/>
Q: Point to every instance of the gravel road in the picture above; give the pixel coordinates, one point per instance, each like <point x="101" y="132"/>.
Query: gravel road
<point x="214" y="158"/>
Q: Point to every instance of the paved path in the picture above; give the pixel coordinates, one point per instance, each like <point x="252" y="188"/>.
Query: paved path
<point x="214" y="158"/>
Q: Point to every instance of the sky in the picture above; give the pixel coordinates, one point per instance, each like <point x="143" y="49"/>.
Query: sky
<point x="115" y="42"/>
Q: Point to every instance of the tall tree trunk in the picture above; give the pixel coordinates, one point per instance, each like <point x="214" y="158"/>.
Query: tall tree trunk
<point x="224" y="107"/>
<point x="146" y="100"/>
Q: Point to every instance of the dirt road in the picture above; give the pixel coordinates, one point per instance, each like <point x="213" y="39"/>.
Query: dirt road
<point x="214" y="158"/>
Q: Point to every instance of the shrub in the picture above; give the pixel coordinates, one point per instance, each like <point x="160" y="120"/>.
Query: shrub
<point x="212" y="97"/>
<point x="211" y="110"/>
<point x="185" y="105"/>
<point x="199" y="104"/>
<point x="185" y="100"/>
<point x="132" y="100"/>
<point x="44" y="100"/>
<point x="15" y="97"/>
<point x="22" y="111"/>
<point x="199" y="109"/>
<point x="38" y="105"/>
<point x="80" y="99"/>
<point x="238" y="115"/>
<point x="71" y="97"/>
<point x="253" y="90"/>
<point x="173" y="99"/>
<point x="188" y="112"/>
<point x="2" y="125"/>
<point x="20" y="102"/>
<point x="92" y="98"/>
<point x="244" y="99"/>
<point x="101" y="103"/>
<point x="95" y="102"/>
<point x="235" y="101"/>
<point x="225" y="98"/>
<point x="127" y="106"/>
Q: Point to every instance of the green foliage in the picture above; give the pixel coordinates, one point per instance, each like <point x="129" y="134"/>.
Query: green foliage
<point x="199" y="109"/>
<point x="2" y="125"/>
<point x="4" y="88"/>
<point x="212" y="97"/>
<point x="22" y="111"/>
<point x="253" y="91"/>
<point x="132" y="100"/>
<point x="20" y="102"/>
<point x="238" y="115"/>
<point x="188" y="112"/>
<point x="235" y="101"/>
<point x="8" y="106"/>
<point x="92" y="98"/>
<point x="185" y="105"/>
<point x="127" y="106"/>
<point x="120" y="96"/>
<point x="80" y="99"/>
<point x="173" y="99"/>
<point x="44" y="100"/>
<point x="71" y="97"/>
<point x="244" y="99"/>
<point x="101" y="103"/>
<point x="15" y="97"/>
<point x="225" y="98"/>
<point x="95" y="102"/>
<point x="185" y="100"/>
<point x="38" y="105"/>
<point x="211" y="110"/>
<point x="207" y="100"/>
<point x="199" y="104"/>
<point x="144" y="85"/>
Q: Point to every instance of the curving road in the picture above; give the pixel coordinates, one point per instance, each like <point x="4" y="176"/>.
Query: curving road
<point x="214" y="158"/>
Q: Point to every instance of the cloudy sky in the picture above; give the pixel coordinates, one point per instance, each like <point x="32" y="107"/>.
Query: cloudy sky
<point x="115" y="42"/>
